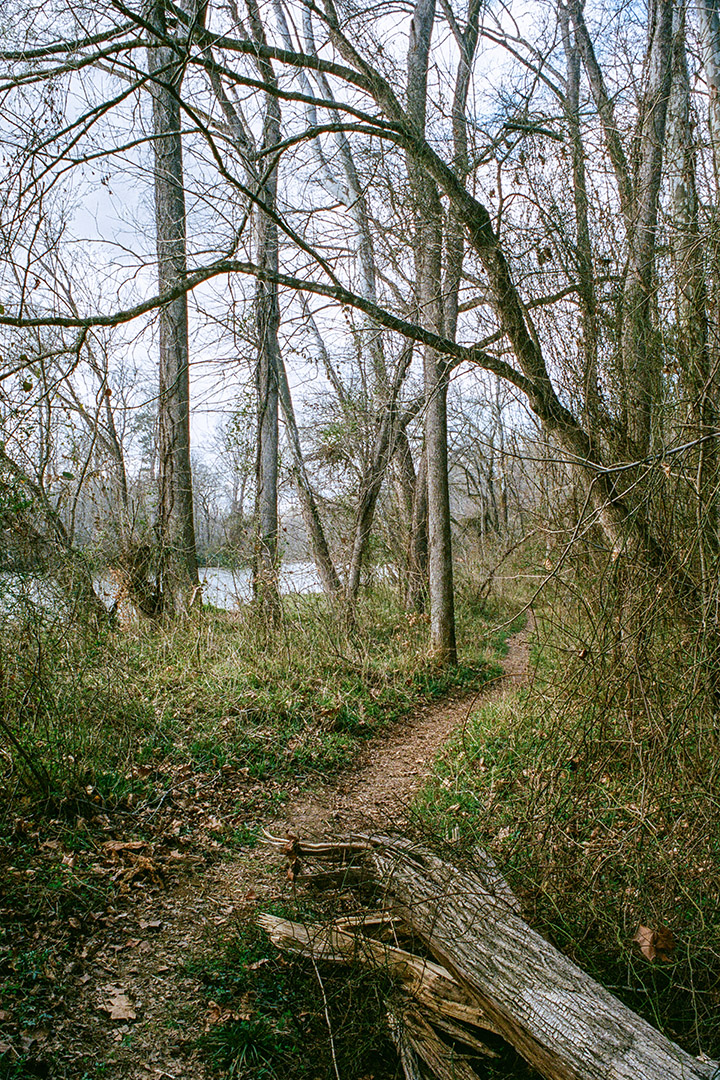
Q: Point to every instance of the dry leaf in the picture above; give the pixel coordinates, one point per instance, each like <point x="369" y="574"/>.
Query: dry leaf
<point x="655" y="944"/>
<point x="118" y="1004"/>
<point x="221" y="1014"/>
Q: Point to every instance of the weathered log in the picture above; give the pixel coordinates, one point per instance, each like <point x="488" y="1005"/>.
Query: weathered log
<point x="561" y="1021"/>
<point x="406" y="1051"/>
<point x="426" y="982"/>
<point x="415" y="1033"/>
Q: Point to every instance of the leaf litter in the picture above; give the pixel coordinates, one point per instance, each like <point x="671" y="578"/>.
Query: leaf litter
<point x="124" y="956"/>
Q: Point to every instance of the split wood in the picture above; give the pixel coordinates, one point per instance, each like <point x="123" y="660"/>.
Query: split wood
<point x="493" y="971"/>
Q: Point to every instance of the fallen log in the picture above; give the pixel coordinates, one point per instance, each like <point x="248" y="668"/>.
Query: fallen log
<point x="413" y="1033"/>
<point x="560" y="1020"/>
<point x="429" y="984"/>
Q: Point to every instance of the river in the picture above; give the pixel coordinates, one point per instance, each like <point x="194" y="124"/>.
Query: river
<point x="226" y="589"/>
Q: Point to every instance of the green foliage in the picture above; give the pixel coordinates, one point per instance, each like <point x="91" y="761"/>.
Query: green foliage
<point x="82" y="709"/>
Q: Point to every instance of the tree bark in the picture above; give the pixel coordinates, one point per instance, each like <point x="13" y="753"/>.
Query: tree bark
<point x="267" y="325"/>
<point x="308" y="504"/>
<point x="175" y="528"/>
<point x="564" y="1024"/>
<point x="417" y="584"/>
<point x="691" y="298"/>
<point x="583" y="242"/>
<point x="428" y="270"/>
<point x="639" y="200"/>
<point x="267" y="322"/>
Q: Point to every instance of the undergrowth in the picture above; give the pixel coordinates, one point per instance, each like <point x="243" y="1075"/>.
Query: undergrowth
<point x="272" y="1017"/>
<point x="81" y="711"/>
<point x="596" y="791"/>
<point x="129" y="758"/>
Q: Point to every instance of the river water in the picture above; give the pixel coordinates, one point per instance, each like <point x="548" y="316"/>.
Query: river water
<point x="227" y="589"/>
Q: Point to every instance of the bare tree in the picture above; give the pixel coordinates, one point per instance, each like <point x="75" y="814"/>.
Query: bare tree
<point x="177" y="578"/>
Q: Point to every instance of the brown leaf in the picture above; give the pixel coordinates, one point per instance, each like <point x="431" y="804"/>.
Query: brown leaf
<point x="259" y="963"/>
<point x="664" y="943"/>
<point x="221" y="1014"/>
<point x="655" y="944"/>
<point x="117" y="1004"/>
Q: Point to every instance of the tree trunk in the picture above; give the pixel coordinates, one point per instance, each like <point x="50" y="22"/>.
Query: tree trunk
<point x="564" y="1024"/>
<point x="583" y="243"/>
<point x="176" y="535"/>
<point x="440" y="568"/>
<point x="308" y="504"/>
<point x="417" y="584"/>
<point x="692" y="337"/>
<point x="267" y="320"/>
<point x="428" y="263"/>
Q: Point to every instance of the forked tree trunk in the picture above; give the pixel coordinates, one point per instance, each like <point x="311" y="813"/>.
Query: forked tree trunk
<point x="428" y="264"/>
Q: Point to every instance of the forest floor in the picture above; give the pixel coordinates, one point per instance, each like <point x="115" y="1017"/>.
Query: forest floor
<point x="130" y="1000"/>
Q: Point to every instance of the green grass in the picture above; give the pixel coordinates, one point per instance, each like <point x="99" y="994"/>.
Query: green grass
<point x="602" y="822"/>
<point x="183" y="738"/>
<point x="214" y="692"/>
<point x="285" y="1017"/>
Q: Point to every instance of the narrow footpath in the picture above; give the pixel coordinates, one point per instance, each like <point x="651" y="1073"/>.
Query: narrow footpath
<point x="143" y="963"/>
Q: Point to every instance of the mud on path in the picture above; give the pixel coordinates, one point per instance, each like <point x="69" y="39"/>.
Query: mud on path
<point x="142" y="962"/>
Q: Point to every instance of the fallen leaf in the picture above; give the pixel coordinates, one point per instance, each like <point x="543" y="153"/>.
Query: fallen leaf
<point x="118" y="1004"/>
<point x="259" y="963"/>
<point x="655" y="944"/>
<point x="221" y="1014"/>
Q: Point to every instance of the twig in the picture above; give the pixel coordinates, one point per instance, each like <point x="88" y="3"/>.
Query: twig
<point x="327" y="1020"/>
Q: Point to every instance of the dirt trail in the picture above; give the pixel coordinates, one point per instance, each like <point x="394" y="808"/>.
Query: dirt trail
<point x="380" y="788"/>
<point x="141" y="961"/>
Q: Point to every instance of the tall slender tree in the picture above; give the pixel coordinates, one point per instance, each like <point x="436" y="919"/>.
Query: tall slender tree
<point x="178" y="576"/>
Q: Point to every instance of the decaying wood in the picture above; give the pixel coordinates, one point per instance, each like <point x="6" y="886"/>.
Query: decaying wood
<point x="426" y="982"/>
<point x="443" y="1062"/>
<point x="406" y="1052"/>
<point x="561" y="1021"/>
